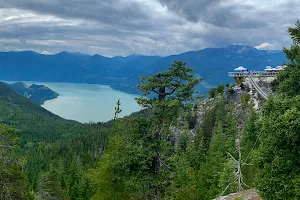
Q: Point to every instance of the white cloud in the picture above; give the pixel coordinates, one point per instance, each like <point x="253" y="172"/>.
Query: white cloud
<point x="266" y="46"/>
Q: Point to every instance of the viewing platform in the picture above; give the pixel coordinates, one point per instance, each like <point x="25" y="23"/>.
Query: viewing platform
<point x="241" y="72"/>
<point x="253" y="73"/>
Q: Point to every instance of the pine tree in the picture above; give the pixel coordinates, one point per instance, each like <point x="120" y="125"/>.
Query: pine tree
<point x="118" y="109"/>
<point x="289" y="78"/>
<point x="277" y="158"/>
<point x="173" y="89"/>
<point x="136" y="165"/>
<point x="12" y="181"/>
<point x="49" y="186"/>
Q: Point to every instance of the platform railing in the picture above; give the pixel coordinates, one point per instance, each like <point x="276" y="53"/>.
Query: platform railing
<point x="258" y="89"/>
<point x="253" y="73"/>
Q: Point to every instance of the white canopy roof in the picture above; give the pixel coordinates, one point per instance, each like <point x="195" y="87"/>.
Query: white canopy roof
<point x="272" y="69"/>
<point x="268" y="67"/>
<point x="240" y="68"/>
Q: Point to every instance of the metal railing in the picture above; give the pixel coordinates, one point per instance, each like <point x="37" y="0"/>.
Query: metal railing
<point x="258" y="89"/>
<point x="253" y="73"/>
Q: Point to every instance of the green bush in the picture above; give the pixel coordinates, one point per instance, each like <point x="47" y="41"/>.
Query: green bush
<point x="220" y="88"/>
<point x="230" y="90"/>
<point x="245" y="98"/>
<point x="212" y="92"/>
<point x="191" y="120"/>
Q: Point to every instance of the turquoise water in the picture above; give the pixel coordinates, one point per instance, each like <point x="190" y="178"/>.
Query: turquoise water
<point x="87" y="102"/>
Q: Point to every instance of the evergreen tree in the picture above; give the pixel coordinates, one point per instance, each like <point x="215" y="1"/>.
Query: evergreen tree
<point x="288" y="79"/>
<point x="49" y="186"/>
<point x="250" y="143"/>
<point x="174" y="89"/>
<point x="278" y="154"/>
<point x="12" y="181"/>
<point x="118" y="109"/>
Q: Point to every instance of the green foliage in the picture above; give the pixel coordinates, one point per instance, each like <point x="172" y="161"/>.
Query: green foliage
<point x="213" y="92"/>
<point x="289" y="78"/>
<point x="118" y="109"/>
<point x="184" y="183"/>
<point x="50" y="186"/>
<point x="250" y="143"/>
<point x="278" y="154"/>
<point x="191" y="119"/>
<point x="12" y="181"/>
<point x="48" y="140"/>
<point x="126" y="170"/>
<point x="245" y="98"/>
<point x="277" y="157"/>
<point x="210" y="118"/>
<point x="220" y="88"/>
<point x="228" y="177"/>
<point x="174" y="88"/>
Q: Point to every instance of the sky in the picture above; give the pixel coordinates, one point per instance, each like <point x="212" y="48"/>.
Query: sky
<point x="148" y="27"/>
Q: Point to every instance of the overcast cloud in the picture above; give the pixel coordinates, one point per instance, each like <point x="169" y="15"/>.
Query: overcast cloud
<point x="150" y="27"/>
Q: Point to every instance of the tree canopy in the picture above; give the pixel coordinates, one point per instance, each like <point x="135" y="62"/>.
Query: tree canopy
<point x="278" y="154"/>
<point x="173" y="88"/>
<point x="289" y="79"/>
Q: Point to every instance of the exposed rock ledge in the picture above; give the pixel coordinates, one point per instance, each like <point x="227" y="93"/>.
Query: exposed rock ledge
<point x="244" y="195"/>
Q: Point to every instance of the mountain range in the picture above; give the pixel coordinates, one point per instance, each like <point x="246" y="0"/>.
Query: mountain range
<point x="123" y="73"/>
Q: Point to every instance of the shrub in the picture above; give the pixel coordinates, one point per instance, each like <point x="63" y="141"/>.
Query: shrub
<point x="245" y="98"/>
<point x="191" y="120"/>
<point x="220" y="88"/>
<point x="212" y="92"/>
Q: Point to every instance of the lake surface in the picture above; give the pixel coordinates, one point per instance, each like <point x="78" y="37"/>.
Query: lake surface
<point x="87" y="102"/>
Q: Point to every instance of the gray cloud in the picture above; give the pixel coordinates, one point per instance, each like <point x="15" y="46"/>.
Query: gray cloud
<point x="223" y="13"/>
<point x="22" y="40"/>
<point x="122" y="27"/>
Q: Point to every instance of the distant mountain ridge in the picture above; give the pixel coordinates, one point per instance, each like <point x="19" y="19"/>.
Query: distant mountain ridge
<point x="123" y="73"/>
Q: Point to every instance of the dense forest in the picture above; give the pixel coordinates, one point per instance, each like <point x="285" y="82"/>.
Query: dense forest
<point x="179" y="147"/>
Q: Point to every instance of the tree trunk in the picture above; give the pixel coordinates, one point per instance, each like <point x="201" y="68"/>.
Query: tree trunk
<point x="156" y="162"/>
<point x="162" y="94"/>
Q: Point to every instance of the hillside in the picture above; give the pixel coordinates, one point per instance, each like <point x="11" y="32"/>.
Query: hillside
<point x="33" y="123"/>
<point x="124" y="73"/>
<point x="37" y="93"/>
<point x="48" y="140"/>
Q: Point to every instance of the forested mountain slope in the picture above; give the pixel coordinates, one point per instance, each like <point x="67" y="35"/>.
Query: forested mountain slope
<point x="37" y="93"/>
<point x="32" y="122"/>
<point x="48" y="141"/>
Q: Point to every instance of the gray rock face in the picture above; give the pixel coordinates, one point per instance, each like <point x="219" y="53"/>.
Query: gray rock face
<point x="244" y="195"/>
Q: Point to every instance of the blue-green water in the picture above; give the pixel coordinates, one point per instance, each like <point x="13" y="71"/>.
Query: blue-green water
<point x="87" y="102"/>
